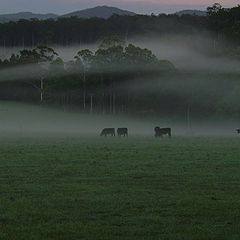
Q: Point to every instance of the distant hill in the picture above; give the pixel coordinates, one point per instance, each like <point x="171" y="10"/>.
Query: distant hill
<point x="100" y="12"/>
<point x="25" y="15"/>
<point x="192" y="12"/>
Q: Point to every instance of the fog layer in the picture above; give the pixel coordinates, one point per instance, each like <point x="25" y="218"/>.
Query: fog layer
<point x="25" y="120"/>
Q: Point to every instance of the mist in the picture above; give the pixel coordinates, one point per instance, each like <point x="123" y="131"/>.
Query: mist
<point x="19" y="120"/>
<point x="186" y="52"/>
<point x="195" y="89"/>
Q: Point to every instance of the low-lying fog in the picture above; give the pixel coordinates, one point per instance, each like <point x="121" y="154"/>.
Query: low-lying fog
<point x="186" y="53"/>
<point x="190" y="53"/>
<point x="30" y="120"/>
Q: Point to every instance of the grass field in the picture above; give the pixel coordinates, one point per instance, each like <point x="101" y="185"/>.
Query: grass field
<point x="136" y="188"/>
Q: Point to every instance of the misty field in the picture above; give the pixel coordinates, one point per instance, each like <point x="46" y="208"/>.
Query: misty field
<point x="136" y="188"/>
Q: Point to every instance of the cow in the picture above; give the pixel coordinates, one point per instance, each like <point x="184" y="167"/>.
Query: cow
<point x="238" y="131"/>
<point x="160" y="132"/>
<point x="122" y="132"/>
<point x="108" y="132"/>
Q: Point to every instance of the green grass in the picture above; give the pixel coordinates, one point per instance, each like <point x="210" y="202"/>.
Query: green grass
<point x="137" y="188"/>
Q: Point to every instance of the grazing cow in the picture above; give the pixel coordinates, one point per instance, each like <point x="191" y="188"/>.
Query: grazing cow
<point x="159" y="132"/>
<point x="108" y="131"/>
<point x="238" y="131"/>
<point x="122" y="132"/>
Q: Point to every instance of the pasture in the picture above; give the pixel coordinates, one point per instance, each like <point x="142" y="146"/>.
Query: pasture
<point x="112" y="188"/>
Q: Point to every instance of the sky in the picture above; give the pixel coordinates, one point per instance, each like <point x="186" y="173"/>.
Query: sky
<point x="138" y="6"/>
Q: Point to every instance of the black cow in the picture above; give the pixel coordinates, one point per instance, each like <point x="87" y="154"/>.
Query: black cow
<point x="122" y="132"/>
<point x="238" y="131"/>
<point x="108" y="131"/>
<point x="159" y="132"/>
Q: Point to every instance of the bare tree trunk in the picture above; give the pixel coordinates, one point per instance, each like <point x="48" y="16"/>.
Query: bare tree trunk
<point x="103" y="96"/>
<point x="84" y="89"/>
<point x="188" y="118"/>
<point x="64" y="102"/>
<point x="114" y="98"/>
<point x="91" y="105"/>
<point x="33" y="41"/>
<point x="41" y="90"/>
<point x="84" y="97"/>
<point x="110" y="102"/>
<point x="23" y="42"/>
<point x="4" y="47"/>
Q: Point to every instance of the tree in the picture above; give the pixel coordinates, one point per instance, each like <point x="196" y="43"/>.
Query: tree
<point x="45" y="53"/>
<point x="138" y="56"/>
<point x="84" y="59"/>
<point x="99" y="75"/>
<point x="83" y="62"/>
<point x="56" y="67"/>
<point x="111" y="42"/>
<point x="215" y="9"/>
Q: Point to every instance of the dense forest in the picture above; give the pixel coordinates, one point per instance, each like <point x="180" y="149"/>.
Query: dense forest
<point x="104" y="76"/>
<point x="120" y="77"/>
<point x="221" y="22"/>
<point x="73" y="30"/>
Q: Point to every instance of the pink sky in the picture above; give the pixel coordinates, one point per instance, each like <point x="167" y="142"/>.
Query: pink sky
<point x="139" y="6"/>
<point x="174" y="2"/>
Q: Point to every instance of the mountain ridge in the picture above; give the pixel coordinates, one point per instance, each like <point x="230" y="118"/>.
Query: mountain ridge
<point x="193" y="12"/>
<point x="99" y="11"/>
<point x="104" y="12"/>
<point x="26" y="16"/>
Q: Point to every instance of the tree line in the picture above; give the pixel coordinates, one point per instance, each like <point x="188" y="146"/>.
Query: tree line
<point x="222" y="23"/>
<point x="73" y="30"/>
<point x="116" y="78"/>
<point x="98" y="80"/>
<point x="119" y="77"/>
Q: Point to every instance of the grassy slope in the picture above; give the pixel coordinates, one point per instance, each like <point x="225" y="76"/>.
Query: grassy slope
<point x="120" y="189"/>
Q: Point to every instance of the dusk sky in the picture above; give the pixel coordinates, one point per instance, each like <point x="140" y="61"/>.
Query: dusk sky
<point x="139" y="6"/>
